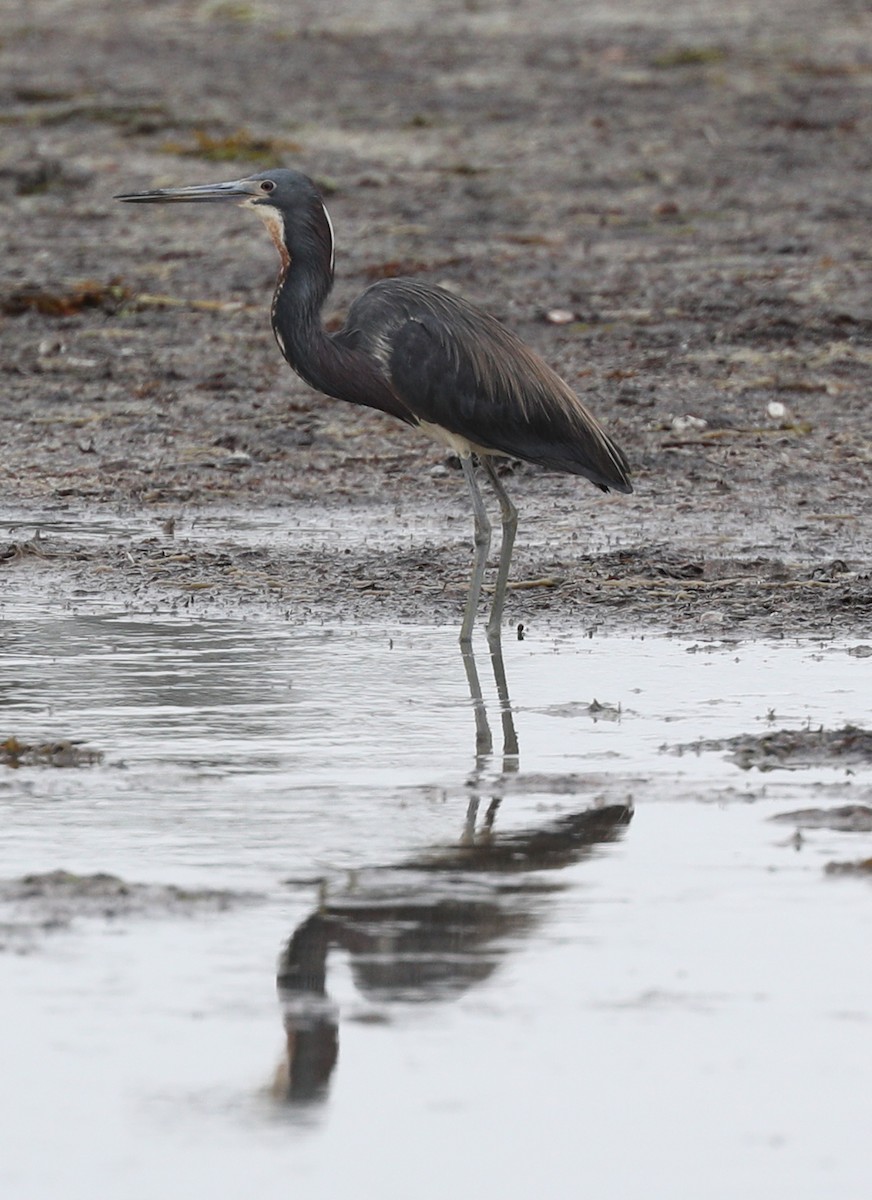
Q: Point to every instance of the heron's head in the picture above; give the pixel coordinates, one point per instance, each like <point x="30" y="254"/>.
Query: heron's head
<point x="288" y="201"/>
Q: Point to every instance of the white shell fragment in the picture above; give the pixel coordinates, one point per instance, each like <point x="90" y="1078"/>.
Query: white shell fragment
<point x="688" y="424"/>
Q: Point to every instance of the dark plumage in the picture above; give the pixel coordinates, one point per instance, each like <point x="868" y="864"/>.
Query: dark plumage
<point x="464" y="371"/>
<point x="422" y="355"/>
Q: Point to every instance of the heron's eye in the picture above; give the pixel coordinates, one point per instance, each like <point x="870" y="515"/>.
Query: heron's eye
<point x="267" y="186"/>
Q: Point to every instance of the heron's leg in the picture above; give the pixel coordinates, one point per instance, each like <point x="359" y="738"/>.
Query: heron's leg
<point x="482" y="546"/>
<point x="510" y="528"/>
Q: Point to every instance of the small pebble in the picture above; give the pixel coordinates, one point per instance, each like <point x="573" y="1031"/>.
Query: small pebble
<point x="688" y="423"/>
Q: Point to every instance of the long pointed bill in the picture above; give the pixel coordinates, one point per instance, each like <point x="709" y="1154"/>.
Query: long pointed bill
<point x="206" y="193"/>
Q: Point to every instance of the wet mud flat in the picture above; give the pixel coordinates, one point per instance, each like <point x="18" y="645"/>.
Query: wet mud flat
<point x="672" y="208"/>
<point x="366" y="562"/>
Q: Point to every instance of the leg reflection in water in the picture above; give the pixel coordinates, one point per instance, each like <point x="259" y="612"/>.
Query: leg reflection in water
<point x="440" y="923"/>
<point x="484" y="743"/>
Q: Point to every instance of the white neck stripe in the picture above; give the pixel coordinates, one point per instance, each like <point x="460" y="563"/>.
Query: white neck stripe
<point x="332" y="238"/>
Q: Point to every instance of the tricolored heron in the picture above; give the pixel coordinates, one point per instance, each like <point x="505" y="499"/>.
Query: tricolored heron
<point x="423" y="355"/>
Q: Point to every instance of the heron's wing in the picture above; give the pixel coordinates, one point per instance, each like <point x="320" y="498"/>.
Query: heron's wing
<point x="457" y="367"/>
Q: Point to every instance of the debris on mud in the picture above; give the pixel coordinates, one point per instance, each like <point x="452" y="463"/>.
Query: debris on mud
<point x="863" y="867"/>
<point x="597" y="710"/>
<point x="15" y="753"/>
<point x="844" y="818"/>
<point x="65" y="301"/>
<point x="238" y="146"/>
<point x="15" y="550"/>
<point x="847" y="818"/>
<point x="792" y="749"/>
<point x="45" y="903"/>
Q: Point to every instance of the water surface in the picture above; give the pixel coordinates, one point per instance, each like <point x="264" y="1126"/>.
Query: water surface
<point x="471" y="965"/>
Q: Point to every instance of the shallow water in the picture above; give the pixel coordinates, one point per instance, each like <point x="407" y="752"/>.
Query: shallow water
<point x="591" y="965"/>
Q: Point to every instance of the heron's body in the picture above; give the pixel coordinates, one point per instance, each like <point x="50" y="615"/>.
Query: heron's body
<point x="422" y="355"/>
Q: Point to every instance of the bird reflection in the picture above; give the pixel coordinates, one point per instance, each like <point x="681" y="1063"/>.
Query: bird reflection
<point x="430" y="928"/>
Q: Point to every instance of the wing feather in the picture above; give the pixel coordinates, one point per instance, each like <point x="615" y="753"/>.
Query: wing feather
<point x="453" y="365"/>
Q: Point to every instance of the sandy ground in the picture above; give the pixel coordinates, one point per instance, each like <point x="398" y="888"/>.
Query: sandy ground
<point x="690" y="182"/>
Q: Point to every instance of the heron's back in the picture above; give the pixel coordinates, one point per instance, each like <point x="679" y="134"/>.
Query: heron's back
<point x="456" y="367"/>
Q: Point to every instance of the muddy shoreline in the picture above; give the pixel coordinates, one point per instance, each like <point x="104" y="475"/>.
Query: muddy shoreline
<point x="640" y="588"/>
<point x="693" y="189"/>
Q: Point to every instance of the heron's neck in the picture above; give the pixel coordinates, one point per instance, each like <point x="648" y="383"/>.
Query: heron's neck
<point x="305" y="245"/>
<point x="330" y="363"/>
<point x="296" y="317"/>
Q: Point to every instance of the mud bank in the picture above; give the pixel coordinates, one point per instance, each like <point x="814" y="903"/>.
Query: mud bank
<point x="690" y="187"/>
